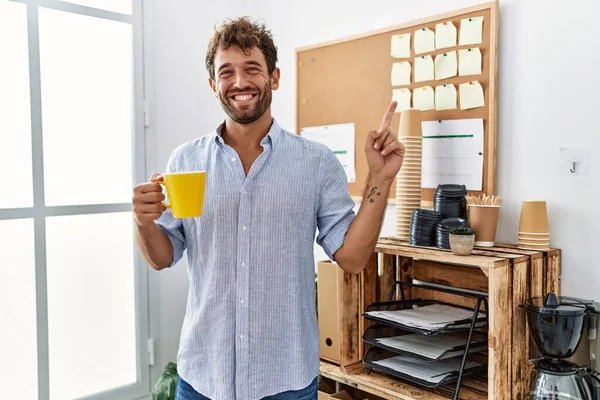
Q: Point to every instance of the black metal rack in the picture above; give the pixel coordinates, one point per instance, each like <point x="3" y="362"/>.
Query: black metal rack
<point x="469" y="329"/>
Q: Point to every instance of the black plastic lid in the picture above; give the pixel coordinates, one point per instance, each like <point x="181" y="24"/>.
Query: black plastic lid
<point x="555" y="366"/>
<point x="554" y="305"/>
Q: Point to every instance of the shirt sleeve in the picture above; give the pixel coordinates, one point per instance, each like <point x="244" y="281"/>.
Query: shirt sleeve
<point x="173" y="227"/>
<point x="335" y="209"/>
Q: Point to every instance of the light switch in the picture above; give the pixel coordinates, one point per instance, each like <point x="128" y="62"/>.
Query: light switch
<point x="575" y="160"/>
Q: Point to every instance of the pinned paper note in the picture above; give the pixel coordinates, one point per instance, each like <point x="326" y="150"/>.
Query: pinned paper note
<point x="401" y="73"/>
<point x="471" y="95"/>
<point x="469" y="61"/>
<point x="471" y="30"/>
<point x="424" y="40"/>
<point x="445" y="97"/>
<point x="446" y="65"/>
<point x="445" y="35"/>
<point x="402" y="96"/>
<point x="424" y="98"/>
<point x="401" y="46"/>
<point x="424" y="70"/>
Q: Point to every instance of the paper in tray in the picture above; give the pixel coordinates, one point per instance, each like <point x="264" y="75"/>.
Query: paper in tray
<point x="432" y="347"/>
<point x="429" y="317"/>
<point x="433" y="373"/>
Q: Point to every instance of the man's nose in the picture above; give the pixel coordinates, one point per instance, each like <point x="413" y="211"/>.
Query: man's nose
<point x="241" y="80"/>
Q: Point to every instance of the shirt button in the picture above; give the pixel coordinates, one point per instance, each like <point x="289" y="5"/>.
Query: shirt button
<point x="242" y="301"/>
<point x="244" y="228"/>
<point x="242" y="337"/>
<point x="243" y="264"/>
<point x="244" y="192"/>
<point x="232" y="158"/>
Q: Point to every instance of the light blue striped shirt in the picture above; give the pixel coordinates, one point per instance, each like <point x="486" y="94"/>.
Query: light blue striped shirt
<point x="250" y="328"/>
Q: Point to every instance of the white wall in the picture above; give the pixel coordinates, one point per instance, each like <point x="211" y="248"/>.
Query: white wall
<point x="547" y="100"/>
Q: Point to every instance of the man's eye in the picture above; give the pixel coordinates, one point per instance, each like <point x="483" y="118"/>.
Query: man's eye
<point x="225" y="73"/>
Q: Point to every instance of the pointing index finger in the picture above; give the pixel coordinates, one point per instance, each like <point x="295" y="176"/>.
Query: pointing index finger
<point x="389" y="114"/>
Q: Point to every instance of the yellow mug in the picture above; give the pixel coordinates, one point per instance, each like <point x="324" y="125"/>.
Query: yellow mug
<point x="185" y="191"/>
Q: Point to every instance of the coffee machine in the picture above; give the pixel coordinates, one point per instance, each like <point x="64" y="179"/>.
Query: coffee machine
<point x="563" y="331"/>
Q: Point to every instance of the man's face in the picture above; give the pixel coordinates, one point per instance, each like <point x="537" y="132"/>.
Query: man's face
<point x="242" y="84"/>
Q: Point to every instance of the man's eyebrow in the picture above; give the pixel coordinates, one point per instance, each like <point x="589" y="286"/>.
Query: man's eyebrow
<point x="224" y="66"/>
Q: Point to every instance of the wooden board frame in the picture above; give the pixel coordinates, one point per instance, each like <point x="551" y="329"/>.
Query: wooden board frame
<point x="348" y="80"/>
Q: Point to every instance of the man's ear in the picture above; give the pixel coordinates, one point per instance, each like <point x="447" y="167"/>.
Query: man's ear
<point x="275" y="78"/>
<point x="213" y="86"/>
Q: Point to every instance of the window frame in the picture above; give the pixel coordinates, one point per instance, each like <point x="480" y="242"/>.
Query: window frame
<point x="145" y="325"/>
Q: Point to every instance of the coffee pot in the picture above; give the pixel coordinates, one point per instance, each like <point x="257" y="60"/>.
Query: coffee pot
<point x="557" y="325"/>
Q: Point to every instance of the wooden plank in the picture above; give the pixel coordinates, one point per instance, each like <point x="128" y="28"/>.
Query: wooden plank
<point x="520" y="330"/>
<point x="435" y="254"/>
<point x="387" y="276"/>
<point x="350" y="337"/>
<point x="390" y="388"/>
<point x="405" y="274"/>
<point x="368" y="296"/>
<point x="451" y="275"/>
<point x="553" y="272"/>
<point x="499" y="335"/>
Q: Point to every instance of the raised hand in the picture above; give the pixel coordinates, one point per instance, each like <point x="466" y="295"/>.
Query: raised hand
<point x="384" y="152"/>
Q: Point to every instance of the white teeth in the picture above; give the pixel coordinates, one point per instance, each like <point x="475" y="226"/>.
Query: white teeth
<point x="242" y="97"/>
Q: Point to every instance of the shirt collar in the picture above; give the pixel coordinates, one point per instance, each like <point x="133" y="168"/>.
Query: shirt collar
<point x="273" y="135"/>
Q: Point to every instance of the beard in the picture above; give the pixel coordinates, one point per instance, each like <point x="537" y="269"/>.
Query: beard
<point x="247" y="113"/>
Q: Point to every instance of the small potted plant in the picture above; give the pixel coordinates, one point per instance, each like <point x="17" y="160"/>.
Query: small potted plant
<point x="462" y="240"/>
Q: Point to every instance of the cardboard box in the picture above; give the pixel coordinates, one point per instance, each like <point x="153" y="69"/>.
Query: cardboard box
<point x="338" y="310"/>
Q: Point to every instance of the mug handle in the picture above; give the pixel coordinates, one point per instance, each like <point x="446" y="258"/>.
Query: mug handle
<point x="161" y="203"/>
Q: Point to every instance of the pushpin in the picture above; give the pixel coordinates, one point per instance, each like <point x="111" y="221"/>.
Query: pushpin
<point x="444" y="85"/>
<point x="445" y="54"/>
<point x="470" y="19"/>
<point x="469" y="50"/>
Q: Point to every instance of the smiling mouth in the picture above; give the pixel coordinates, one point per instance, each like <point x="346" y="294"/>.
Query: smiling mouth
<point x="243" y="98"/>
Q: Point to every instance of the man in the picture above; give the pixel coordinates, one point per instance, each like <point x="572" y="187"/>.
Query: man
<point x="250" y="330"/>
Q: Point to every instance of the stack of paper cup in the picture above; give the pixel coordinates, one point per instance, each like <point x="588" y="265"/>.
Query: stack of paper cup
<point x="534" y="230"/>
<point x="408" y="180"/>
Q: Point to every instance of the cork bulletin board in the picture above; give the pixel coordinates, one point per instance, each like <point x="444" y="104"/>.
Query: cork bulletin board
<point x="353" y="81"/>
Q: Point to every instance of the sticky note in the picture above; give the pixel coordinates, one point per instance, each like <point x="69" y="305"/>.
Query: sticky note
<point x="402" y="96"/>
<point x="445" y="97"/>
<point x="424" y="98"/>
<point x="424" y="69"/>
<point x="471" y="30"/>
<point x="401" y="73"/>
<point x="446" y="65"/>
<point x="401" y="46"/>
<point x="469" y="61"/>
<point x="424" y="41"/>
<point x="471" y="95"/>
<point x="445" y="35"/>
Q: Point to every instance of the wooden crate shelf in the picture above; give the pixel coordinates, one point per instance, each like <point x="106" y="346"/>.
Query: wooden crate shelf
<point x="507" y="274"/>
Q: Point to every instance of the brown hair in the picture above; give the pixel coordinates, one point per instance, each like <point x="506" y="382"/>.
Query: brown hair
<point x="245" y="35"/>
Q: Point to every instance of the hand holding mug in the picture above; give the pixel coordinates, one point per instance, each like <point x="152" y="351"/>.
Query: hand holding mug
<point x="147" y="198"/>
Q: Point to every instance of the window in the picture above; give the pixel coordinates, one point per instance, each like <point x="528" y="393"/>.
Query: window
<point x="74" y="307"/>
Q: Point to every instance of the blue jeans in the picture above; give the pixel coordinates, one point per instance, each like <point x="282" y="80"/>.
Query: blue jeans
<point x="186" y="392"/>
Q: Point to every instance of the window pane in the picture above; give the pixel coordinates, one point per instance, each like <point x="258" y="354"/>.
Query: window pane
<point x="15" y="116"/>
<point x="18" y="336"/>
<point x="119" y="6"/>
<point x="87" y="96"/>
<point x="91" y="304"/>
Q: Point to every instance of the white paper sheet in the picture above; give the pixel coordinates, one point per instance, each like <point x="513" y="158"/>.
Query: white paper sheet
<point x="471" y="95"/>
<point x="445" y="35"/>
<point x="445" y="97"/>
<point x="340" y="139"/>
<point x="469" y="61"/>
<point x="430" y="317"/>
<point x="403" y="97"/>
<point x="424" y="98"/>
<point x="401" y="73"/>
<point x="400" y="46"/>
<point x="424" y="70"/>
<point x="446" y="65"/>
<point x="432" y="347"/>
<point x="453" y="153"/>
<point x="430" y="372"/>
<point x="424" y="41"/>
<point x="471" y="31"/>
